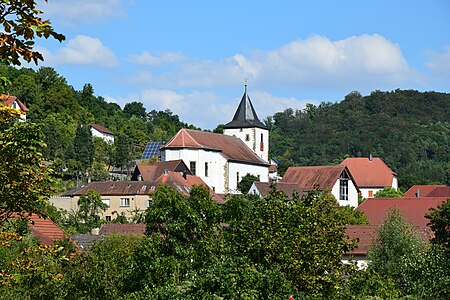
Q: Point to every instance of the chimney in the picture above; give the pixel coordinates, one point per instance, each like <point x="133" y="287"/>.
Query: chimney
<point x="370" y="157"/>
<point x="166" y="171"/>
<point x="418" y="193"/>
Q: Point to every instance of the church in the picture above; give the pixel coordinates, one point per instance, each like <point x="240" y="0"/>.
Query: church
<point x="221" y="160"/>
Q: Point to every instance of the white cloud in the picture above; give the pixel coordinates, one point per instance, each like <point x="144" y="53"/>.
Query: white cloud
<point x="76" y="11"/>
<point x="440" y="62"/>
<point x="146" y="58"/>
<point x="207" y="109"/>
<point x="82" y="50"/>
<point x="368" y="60"/>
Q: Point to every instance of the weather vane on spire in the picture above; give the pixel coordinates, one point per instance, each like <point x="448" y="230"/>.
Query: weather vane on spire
<point x="246" y="82"/>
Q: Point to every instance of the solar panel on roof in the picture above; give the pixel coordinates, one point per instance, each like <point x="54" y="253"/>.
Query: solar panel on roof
<point x="151" y="149"/>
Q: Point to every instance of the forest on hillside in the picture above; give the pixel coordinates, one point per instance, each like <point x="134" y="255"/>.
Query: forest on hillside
<point x="409" y="130"/>
<point x="64" y="113"/>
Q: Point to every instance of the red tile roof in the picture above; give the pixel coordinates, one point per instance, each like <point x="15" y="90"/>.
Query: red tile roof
<point x="365" y="234"/>
<point x="9" y="100"/>
<point x="123" y="228"/>
<point x="413" y="209"/>
<point x="231" y="147"/>
<point x="308" y="177"/>
<point x="151" y="172"/>
<point x="287" y="188"/>
<point x="102" y="129"/>
<point x="369" y="173"/>
<point x="428" y="191"/>
<point x="45" y="230"/>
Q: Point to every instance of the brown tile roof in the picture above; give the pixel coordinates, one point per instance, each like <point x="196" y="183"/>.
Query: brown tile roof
<point x="428" y="191"/>
<point x="102" y="129"/>
<point x="272" y="168"/>
<point x="9" y="100"/>
<point x="413" y="209"/>
<point x="308" y="177"/>
<point x="152" y="171"/>
<point x="231" y="147"/>
<point x="173" y="179"/>
<point x="287" y="188"/>
<point x="118" y="188"/>
<point x="369" y="173"/>
<point x="123" y="228"/>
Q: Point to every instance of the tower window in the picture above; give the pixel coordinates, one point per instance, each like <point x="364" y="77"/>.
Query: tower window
<point x="247" y="137"/>
<point x="206" y="169"/>
<point x="192" y="167"/>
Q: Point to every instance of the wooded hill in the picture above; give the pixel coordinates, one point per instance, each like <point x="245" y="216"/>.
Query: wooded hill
<point x="409" y="130"/>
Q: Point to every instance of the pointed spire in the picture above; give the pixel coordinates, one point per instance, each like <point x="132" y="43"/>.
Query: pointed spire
<point x="245" y="116"/>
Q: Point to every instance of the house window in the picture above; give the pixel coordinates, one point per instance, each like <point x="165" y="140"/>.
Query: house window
<point x="124" y="202"/>
<point x="206" y="169"/>
<point x="192" y="167"/>
<point x="106" y="201"/>
<point x="237" y="177"/>
<point x="343" y="188"/>
<point x="370" y="194"/>
<point x="147" y="203"/>
<point x="108" y="218"/>
<point x="247" y="137"/>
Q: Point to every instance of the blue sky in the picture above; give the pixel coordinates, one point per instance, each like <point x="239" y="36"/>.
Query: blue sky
<point x="193" y="57"/>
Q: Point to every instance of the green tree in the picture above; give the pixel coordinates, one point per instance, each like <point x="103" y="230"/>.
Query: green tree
<point x="84" y="147"/>
<point x="246" y="182"/>
<point x="440" y="223"/>
<point x="101" y="273"/>
<point x="87" y="216"/>
<point x="24" y="178"/>
<point x="388" y="192"/>
<point x="396" y="241"/>
<point x="135" y="109"/>
<point x="300" y="236"/>
<point x="21" y="24"/>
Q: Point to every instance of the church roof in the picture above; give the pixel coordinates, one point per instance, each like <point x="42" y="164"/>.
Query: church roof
<point x="245" y="116"/>
<point x="231" y="147"/>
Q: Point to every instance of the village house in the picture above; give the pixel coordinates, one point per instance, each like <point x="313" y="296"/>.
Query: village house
<point x="221" y="160"/>
<point x="14" y="103"/>
<point x="130" y="197"/>
<point x="102" y="132"/>
<point x="337" y="179"/>
<point x="371" y="175"/>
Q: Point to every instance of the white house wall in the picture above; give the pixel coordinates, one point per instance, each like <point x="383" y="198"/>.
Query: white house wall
<point x="216" y="165"/>
<point x="238" y="170"/>
<point x="106" y="137"/>
<point x="254" y="139"/>
<point x="352" y="194"/>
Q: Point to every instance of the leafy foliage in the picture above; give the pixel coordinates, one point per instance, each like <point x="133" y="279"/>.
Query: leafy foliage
<point x="21" y="25"/>
<point x="440" y="223"/>
<point x="24" y="178"/>
<point x="388" y="192"/>
<point x="246" y="183"/>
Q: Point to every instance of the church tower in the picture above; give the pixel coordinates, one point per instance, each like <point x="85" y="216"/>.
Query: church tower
<point x="247" y="127"/>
